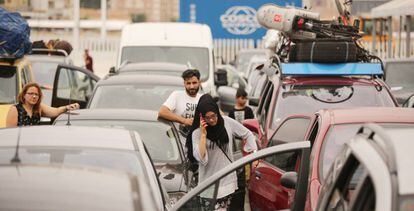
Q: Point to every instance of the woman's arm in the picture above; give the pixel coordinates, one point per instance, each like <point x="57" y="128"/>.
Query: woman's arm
<point x="11" y="120"/>
<point x="203" y="136"/>
<point x="241" y="131"/>
<point x="54" y="112"/>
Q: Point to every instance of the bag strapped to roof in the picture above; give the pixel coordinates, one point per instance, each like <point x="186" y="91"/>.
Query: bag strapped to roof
<point x="55" y="52"/>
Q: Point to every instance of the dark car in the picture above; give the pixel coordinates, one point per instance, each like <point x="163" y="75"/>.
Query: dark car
<point x="373" y="171"/>
<point x="327" y="130"/>
<point x="298" y="91"/>
<point x="153" y="68"/>
<point x="115" y="149"/>
<point x="160" y="137"/>
<point x="134" y="91"/>
<point x="71" y="187"/>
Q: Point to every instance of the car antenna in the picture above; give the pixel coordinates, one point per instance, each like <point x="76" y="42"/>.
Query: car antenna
<point x="16" y="158"/>
<point x="70" y="101"/>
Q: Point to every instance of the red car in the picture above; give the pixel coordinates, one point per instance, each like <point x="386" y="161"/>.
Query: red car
<point x="333" y="128"/>
<point x="288" y="95"/>
<point x="327" y="130"/>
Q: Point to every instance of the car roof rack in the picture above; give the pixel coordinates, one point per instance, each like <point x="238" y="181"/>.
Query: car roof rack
<point x="336" y="69"/>
<point x="46" y="51"/>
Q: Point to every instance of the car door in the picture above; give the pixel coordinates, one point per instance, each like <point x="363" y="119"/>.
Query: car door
<point x="72" y="85"/>
<point x="208" y="189"/>
<point x="265" y="189"/>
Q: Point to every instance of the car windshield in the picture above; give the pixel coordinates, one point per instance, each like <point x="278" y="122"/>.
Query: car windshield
<point x="406" y="202"/>
<point x="132" y="96"/>
<point x="158" y="137"/>
<point x="8" y="84"/>
<point x="194" y="57"/>
<point x="104" y="158"/>
<point x="44" y="72"/>
<point x="336" y="137"/>
<point x="307" y="99"/>
<point x="400" y="74"/>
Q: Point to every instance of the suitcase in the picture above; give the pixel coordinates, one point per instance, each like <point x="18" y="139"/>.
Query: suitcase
<point x="64" y="45"/>
<point x="323" y="51"/>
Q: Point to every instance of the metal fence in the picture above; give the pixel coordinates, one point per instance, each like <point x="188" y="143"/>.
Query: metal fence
<point x="397" y="51"/>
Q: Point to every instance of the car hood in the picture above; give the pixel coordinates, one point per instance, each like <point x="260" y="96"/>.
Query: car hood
<point x="171" y="176"/>
<point x="4" y="109"/>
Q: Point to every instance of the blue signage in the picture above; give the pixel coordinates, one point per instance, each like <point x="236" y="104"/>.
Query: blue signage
<point x="229" y="18"/>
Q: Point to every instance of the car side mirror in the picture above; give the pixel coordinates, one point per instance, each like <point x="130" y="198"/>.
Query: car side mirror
<point x="289" y="179"/>
<point x="252" y="125"/>
<point x="220" y="77"/>
<point x="409" y="103"/>
<point x="112" y="70"/>
<point x="254" y="101"/>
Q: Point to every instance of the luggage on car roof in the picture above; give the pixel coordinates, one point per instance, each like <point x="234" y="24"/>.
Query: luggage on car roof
<point x="323" y="51"/>
<point x="14" y="34"/>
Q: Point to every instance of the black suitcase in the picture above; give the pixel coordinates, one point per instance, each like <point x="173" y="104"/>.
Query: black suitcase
<point x="323" y="51"/>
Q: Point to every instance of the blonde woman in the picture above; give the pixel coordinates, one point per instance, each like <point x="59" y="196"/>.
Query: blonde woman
<point x="30" y="108"/>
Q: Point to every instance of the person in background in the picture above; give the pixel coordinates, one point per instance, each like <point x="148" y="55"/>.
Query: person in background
<point x="211" y="135"/>
<point x="88" y="60"/>
<point x="241" y="111"/>
<point x="30" y="108"/>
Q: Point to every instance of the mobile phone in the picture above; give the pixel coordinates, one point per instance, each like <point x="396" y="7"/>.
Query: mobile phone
<point x="201" y="117"/>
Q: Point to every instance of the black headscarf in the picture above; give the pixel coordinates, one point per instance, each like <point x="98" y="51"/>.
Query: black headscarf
<point x="216" y="134"/>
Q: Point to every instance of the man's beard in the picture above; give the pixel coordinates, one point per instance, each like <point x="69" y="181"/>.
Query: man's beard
<point x="192" y="92"/>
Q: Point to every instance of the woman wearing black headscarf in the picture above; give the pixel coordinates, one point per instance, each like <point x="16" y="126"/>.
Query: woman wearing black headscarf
<point x="211" y="136"/>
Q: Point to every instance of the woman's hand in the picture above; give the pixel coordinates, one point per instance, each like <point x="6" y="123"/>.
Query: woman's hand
<point x="203" y="126"/>
<point x="72" y="106"/>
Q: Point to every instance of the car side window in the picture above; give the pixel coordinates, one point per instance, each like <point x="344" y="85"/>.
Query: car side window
<point x="83" y="85"/>
<point x="314" y="132"/>
<point x="27" y="74"/>
<point x="266" y="105"/>
<point x="351" y="176"/>
<point x="365" y="200"/>
<point x="64" y="85"/>
<point x="292" y="130"/>
<point x="23" y="77"/>
<point x="263" y="97"/>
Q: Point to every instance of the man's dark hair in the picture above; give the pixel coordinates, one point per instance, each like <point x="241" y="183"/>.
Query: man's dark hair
<point x="241" y="93"/>
<point x="190" y="73"/>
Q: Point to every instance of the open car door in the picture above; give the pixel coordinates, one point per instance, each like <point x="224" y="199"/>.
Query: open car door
<point x="72" y="85"/>
<point x="208" y="189"/>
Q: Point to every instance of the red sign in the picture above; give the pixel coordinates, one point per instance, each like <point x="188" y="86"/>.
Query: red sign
<point x="277" y="18"/>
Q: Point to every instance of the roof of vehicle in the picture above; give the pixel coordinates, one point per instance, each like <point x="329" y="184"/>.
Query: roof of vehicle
<point x="328" y="80"/>
<point x="161" y="80"/>
<point x="154" y="68"/>
<point x="68" y="136"/>
<point x="401" y="139"/>
<point x="368" y="114"/>
<point x="112" y="114"/>
<point x="167" y="34"/>
<point x="46" y="58"/>
<point x="54" y="187"/>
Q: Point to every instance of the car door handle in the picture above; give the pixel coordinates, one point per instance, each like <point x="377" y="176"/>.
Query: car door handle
<point x="258" y="175"/>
